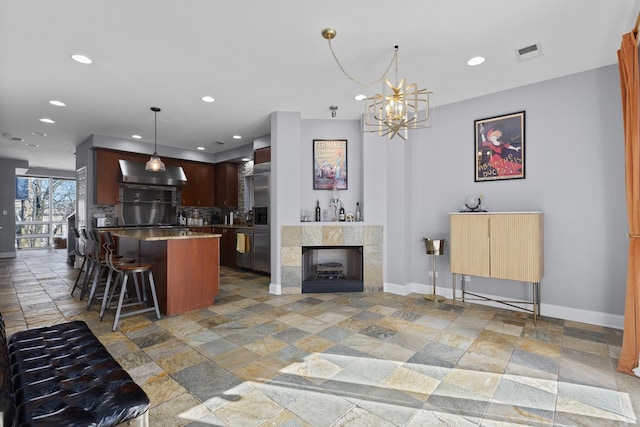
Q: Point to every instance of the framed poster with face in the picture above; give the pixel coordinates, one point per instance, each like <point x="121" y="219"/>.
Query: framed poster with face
<point x="499" y="147"/>
<point x="329" y="164"/>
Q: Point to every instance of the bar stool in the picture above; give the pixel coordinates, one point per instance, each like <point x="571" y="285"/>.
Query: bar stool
<point x="79" y="252"/>
<point x="100" y="266"/>
<point x="123" y="271"/>
<point x="92" y="252"/>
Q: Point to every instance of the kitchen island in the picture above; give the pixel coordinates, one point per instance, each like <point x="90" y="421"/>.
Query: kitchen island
<point x="186" y="264"/>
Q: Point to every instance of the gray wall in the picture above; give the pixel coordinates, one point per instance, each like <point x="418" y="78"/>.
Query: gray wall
<point x="574" y="175"/>
<point x="8" y="206"/>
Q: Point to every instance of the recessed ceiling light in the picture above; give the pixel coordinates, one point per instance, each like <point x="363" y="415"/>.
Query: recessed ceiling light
<point x="208" y="98"/>
<point x="82" y="59"/>
<point x="360" y="97"/>
<point x="246" y="159"/>
<point x="46" y="120"/>
<point x="38" y="134"/>
<point x="476" y="60"/>
<point x="57" y="103"/>
<point x="237" y="137"/>
<point x="200" y="148"/>
<point x="136" y="136"/>
<point x="32" y="145"/>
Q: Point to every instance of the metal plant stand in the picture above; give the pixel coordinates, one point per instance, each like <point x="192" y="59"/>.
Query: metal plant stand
<point x="435" y="248"/>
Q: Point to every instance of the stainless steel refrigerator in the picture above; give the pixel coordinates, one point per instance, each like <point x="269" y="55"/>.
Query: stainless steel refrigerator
<point x="261" y="212"/>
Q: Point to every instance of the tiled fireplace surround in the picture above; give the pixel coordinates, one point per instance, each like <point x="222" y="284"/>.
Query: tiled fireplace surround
<point x="294" y="237"/>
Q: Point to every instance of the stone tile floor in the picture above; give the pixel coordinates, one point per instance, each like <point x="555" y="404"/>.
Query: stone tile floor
<point x="377" y="359"/>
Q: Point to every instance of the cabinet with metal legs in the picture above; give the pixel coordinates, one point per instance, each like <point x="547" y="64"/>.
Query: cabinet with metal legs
<point x="501" y="245"/>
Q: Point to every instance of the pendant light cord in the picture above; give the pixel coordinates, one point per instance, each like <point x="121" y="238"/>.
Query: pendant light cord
<point x="155" y="133"/>
<point x="394" y="59"/>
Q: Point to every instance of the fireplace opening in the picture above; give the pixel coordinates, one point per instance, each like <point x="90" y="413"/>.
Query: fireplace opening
<point x="332" y="269"/>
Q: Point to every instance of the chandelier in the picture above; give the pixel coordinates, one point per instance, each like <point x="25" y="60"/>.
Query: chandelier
<point x="155" y="163"/>
<point x="398" y="108"/>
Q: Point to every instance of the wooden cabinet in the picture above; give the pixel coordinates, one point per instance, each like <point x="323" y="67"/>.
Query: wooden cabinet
<point x="200" y="228"/>
<point x="200" y="187"/>
<point x="226" y="185"/>
<point x="227" y="245"/>
<point x="199" y="190"/>
<point x="501" y="246"/>
<point x="262" y="155"/>
<point x="107" y="174"/>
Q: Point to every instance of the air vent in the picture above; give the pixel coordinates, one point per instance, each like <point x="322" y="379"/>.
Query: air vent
<point x="528" y="52"/>
<point x="218" y="142"/>
<point x="12" y="138"/>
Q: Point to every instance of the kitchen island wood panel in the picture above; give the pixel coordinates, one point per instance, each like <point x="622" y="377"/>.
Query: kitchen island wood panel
<point x="186" y="266"/>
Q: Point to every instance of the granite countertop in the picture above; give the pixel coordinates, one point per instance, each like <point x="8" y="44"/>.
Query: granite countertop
<point x="222" y="226"/>
<point x="152" y="234"/>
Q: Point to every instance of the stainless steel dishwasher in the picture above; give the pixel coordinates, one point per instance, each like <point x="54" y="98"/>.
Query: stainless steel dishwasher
<point x="244" y="248"/>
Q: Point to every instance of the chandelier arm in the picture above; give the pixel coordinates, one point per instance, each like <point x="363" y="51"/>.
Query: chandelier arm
<point x="394" y="59"/>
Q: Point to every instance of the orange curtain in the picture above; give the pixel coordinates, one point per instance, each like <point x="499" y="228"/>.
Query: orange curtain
<point x="628" y="65"/>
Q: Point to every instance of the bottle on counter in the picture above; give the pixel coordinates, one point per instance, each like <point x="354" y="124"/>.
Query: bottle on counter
<point x="358" y="212"/>
<point x="318" y="216"/>
<point x="341" y="215"/>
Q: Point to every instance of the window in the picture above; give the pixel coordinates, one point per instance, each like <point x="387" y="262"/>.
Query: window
<point x="42" y="207"/>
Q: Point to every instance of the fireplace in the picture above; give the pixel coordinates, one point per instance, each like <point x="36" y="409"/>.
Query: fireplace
<point x="329" y="235"/>
<point x="332" y="269"/>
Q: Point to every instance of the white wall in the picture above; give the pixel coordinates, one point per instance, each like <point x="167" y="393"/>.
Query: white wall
<point x="574" y="175"/>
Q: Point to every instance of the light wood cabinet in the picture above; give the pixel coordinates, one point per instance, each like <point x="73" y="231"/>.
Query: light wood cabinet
<point x="501" y="245"/>
<point x="498" y="245"/>
<point x="227" y="185"/>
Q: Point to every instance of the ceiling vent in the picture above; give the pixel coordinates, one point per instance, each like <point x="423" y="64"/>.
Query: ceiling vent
<point x="528" y="52"/>
<point x="12" y="138"/>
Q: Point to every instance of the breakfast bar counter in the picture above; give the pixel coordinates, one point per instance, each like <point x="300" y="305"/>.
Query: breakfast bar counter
<point x="186" y="265"/>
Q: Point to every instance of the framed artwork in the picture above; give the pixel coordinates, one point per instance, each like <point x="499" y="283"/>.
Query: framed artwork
<point x="499" y="147"/>
<point x="329" y="164"/>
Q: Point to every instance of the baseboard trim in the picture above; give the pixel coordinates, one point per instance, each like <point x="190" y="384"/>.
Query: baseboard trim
<point x="608" y="320"/>
<point x="7" y="254"/>
<point x="275" y="289"/>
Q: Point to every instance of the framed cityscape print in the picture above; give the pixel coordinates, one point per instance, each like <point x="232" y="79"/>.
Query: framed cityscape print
<point x="499" y="147"/>
<point x="329" y="164"/>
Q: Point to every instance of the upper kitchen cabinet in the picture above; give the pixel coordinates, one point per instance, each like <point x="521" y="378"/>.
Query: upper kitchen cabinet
<point x="108" y="174"/>
<point x="200" y="189"/>
<point x="262" y="155"/>
<point x="227" y="185"/>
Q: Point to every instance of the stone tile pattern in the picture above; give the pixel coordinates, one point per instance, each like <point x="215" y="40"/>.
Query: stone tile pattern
<point x="371" y="358"/>
<point x="294" y="237"/>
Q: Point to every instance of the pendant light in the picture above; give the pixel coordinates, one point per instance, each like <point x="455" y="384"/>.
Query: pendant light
<point x="398" y="108"/>
<point x="155" y="164"/>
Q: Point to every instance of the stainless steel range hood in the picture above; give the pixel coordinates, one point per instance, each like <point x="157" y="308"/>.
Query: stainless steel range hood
<point x="135" y="173"/>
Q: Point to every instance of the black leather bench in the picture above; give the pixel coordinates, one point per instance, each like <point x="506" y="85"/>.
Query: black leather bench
<point x="63" y="376"/>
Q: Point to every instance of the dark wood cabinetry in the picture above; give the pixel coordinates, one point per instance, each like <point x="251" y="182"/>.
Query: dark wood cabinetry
<point x="107" y="173"/>
<point x="199" y="190"/>
<point x="227" y="245"/>
<point x="226" y="185"/>
<point x="200" y="187"/>
<point x="262" y="155"/>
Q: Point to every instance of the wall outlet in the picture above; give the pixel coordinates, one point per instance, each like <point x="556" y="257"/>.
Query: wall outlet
<point x="431" y="274"/>
<point x="467" y="278"/>
<point x="4" y="211"/>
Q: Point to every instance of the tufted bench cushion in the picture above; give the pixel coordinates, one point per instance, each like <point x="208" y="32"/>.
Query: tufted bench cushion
<point x="62" y="375"/>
